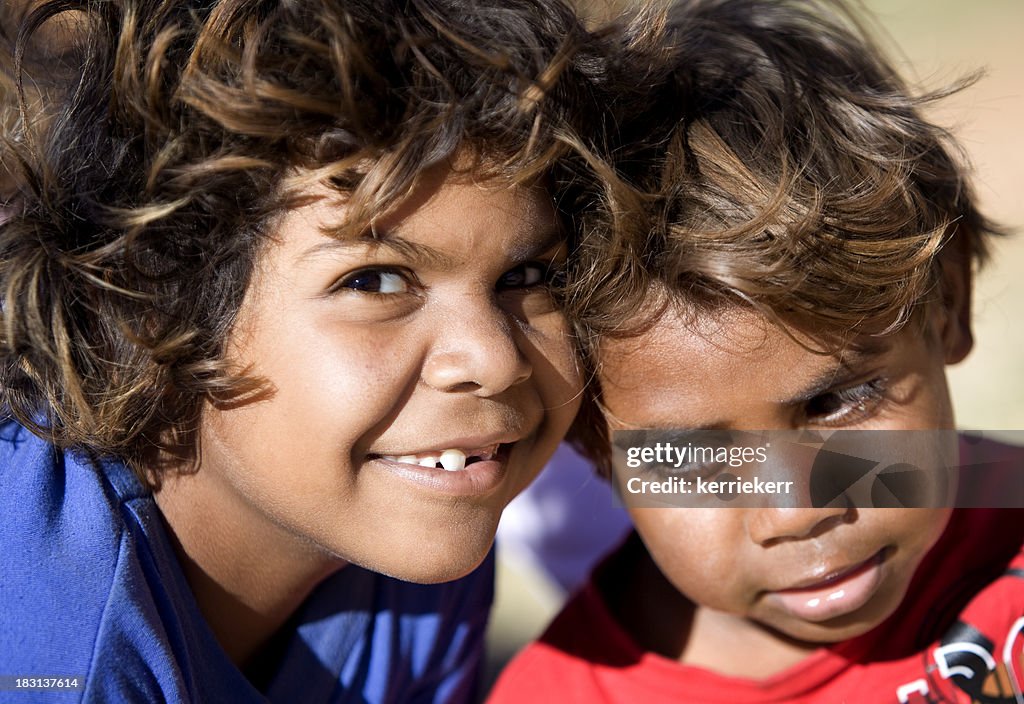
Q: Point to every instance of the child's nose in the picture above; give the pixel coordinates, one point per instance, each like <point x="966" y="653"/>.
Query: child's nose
<point x="775" y="524"/>
<point x="477" y="354"/>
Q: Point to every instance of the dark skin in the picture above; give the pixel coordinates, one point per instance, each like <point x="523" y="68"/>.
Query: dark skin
<point x="439" y="336"/>
<point x="748" y="592"/>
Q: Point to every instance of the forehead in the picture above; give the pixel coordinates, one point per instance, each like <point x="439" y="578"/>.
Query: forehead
<point x="464" y="212"/>
<point x="475" y="205"/>
<point x="708" y="366"/>
<point x="682" y="346"/>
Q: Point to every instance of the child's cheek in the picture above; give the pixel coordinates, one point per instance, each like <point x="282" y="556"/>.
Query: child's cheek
<point x="915" y="530"/>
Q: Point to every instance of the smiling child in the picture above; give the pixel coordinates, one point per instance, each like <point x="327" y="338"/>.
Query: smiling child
<point x="275" y="306"/>
<point x="806" y="267"/>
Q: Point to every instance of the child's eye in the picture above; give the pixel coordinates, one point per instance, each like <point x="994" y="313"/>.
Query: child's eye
<point x="525" y="276"/>
<point x="846" y="406"/>
<point x="376" y="281"/>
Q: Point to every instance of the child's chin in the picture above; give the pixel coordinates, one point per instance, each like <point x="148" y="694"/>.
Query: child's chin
<point x="434" y="562"/>
<point x="834" y="630"/>
<point x="817" y="634"/>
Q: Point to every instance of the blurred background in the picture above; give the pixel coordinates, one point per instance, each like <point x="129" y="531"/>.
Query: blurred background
<point x="933" y="42"/>
<point x="941" y="40"/>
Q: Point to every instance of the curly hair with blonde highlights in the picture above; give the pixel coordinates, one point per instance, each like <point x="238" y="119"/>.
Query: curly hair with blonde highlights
<point x="787" y="167"/>
<point x="782" y="165"/>
<point x="151" y="150"/>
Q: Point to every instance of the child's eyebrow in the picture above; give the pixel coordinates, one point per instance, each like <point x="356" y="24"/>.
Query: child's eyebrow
<point x="849" y="369"/>
<point x="547" y="241"/>
<point x="425" y="254"/>
<point x="419" y="253"/>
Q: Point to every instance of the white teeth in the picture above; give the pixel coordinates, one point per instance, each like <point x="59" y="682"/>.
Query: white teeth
<point x="453" y="460"/>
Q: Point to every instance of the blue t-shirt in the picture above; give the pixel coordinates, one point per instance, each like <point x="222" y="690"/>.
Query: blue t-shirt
<point x="90" y="588"/>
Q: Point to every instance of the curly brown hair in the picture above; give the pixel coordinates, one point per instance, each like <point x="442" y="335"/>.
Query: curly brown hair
<point x="784" y="166"/>
<point x="169" y="135"/>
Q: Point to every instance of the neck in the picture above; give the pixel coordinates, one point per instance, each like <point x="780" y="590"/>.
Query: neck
<point x="248" y="578"/>
<point x="737" y="647"/>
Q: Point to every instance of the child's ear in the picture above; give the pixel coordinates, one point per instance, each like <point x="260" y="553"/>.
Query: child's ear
<point x="955" y="320"/>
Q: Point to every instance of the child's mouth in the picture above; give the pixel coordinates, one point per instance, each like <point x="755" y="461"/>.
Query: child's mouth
<point x="840" y="593"/>
<point x="454" y="471"/>
<point x="452" y="460"/>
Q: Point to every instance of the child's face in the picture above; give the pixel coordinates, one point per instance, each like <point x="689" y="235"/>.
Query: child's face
<point x="438" y="343"/>
<point x="813" y="574"/>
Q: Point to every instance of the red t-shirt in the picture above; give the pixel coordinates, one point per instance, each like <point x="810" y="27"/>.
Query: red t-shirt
<point x="957" y="637"/>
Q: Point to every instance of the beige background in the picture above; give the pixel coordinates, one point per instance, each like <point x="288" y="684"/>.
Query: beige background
<point x="933" y="42"/>
<point x="942" y="39"/>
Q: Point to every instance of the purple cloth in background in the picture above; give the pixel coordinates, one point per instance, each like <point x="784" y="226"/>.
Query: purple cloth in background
<point x="565" y="521"/>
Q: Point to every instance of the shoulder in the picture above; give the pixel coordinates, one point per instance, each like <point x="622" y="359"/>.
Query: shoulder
<point x="80" y="592"/>
<point x="991" y="473"/>
<point x="973" y="575"/>
<point x="563" y="665"/>
<point x="567" y="662"/>
<point x="980" y="650"/>
<point x="985" y="533"/>
<point x="60" y="528"/>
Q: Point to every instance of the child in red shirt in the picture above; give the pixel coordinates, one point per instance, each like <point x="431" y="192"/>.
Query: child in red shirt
<point x="807" y="266"/>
